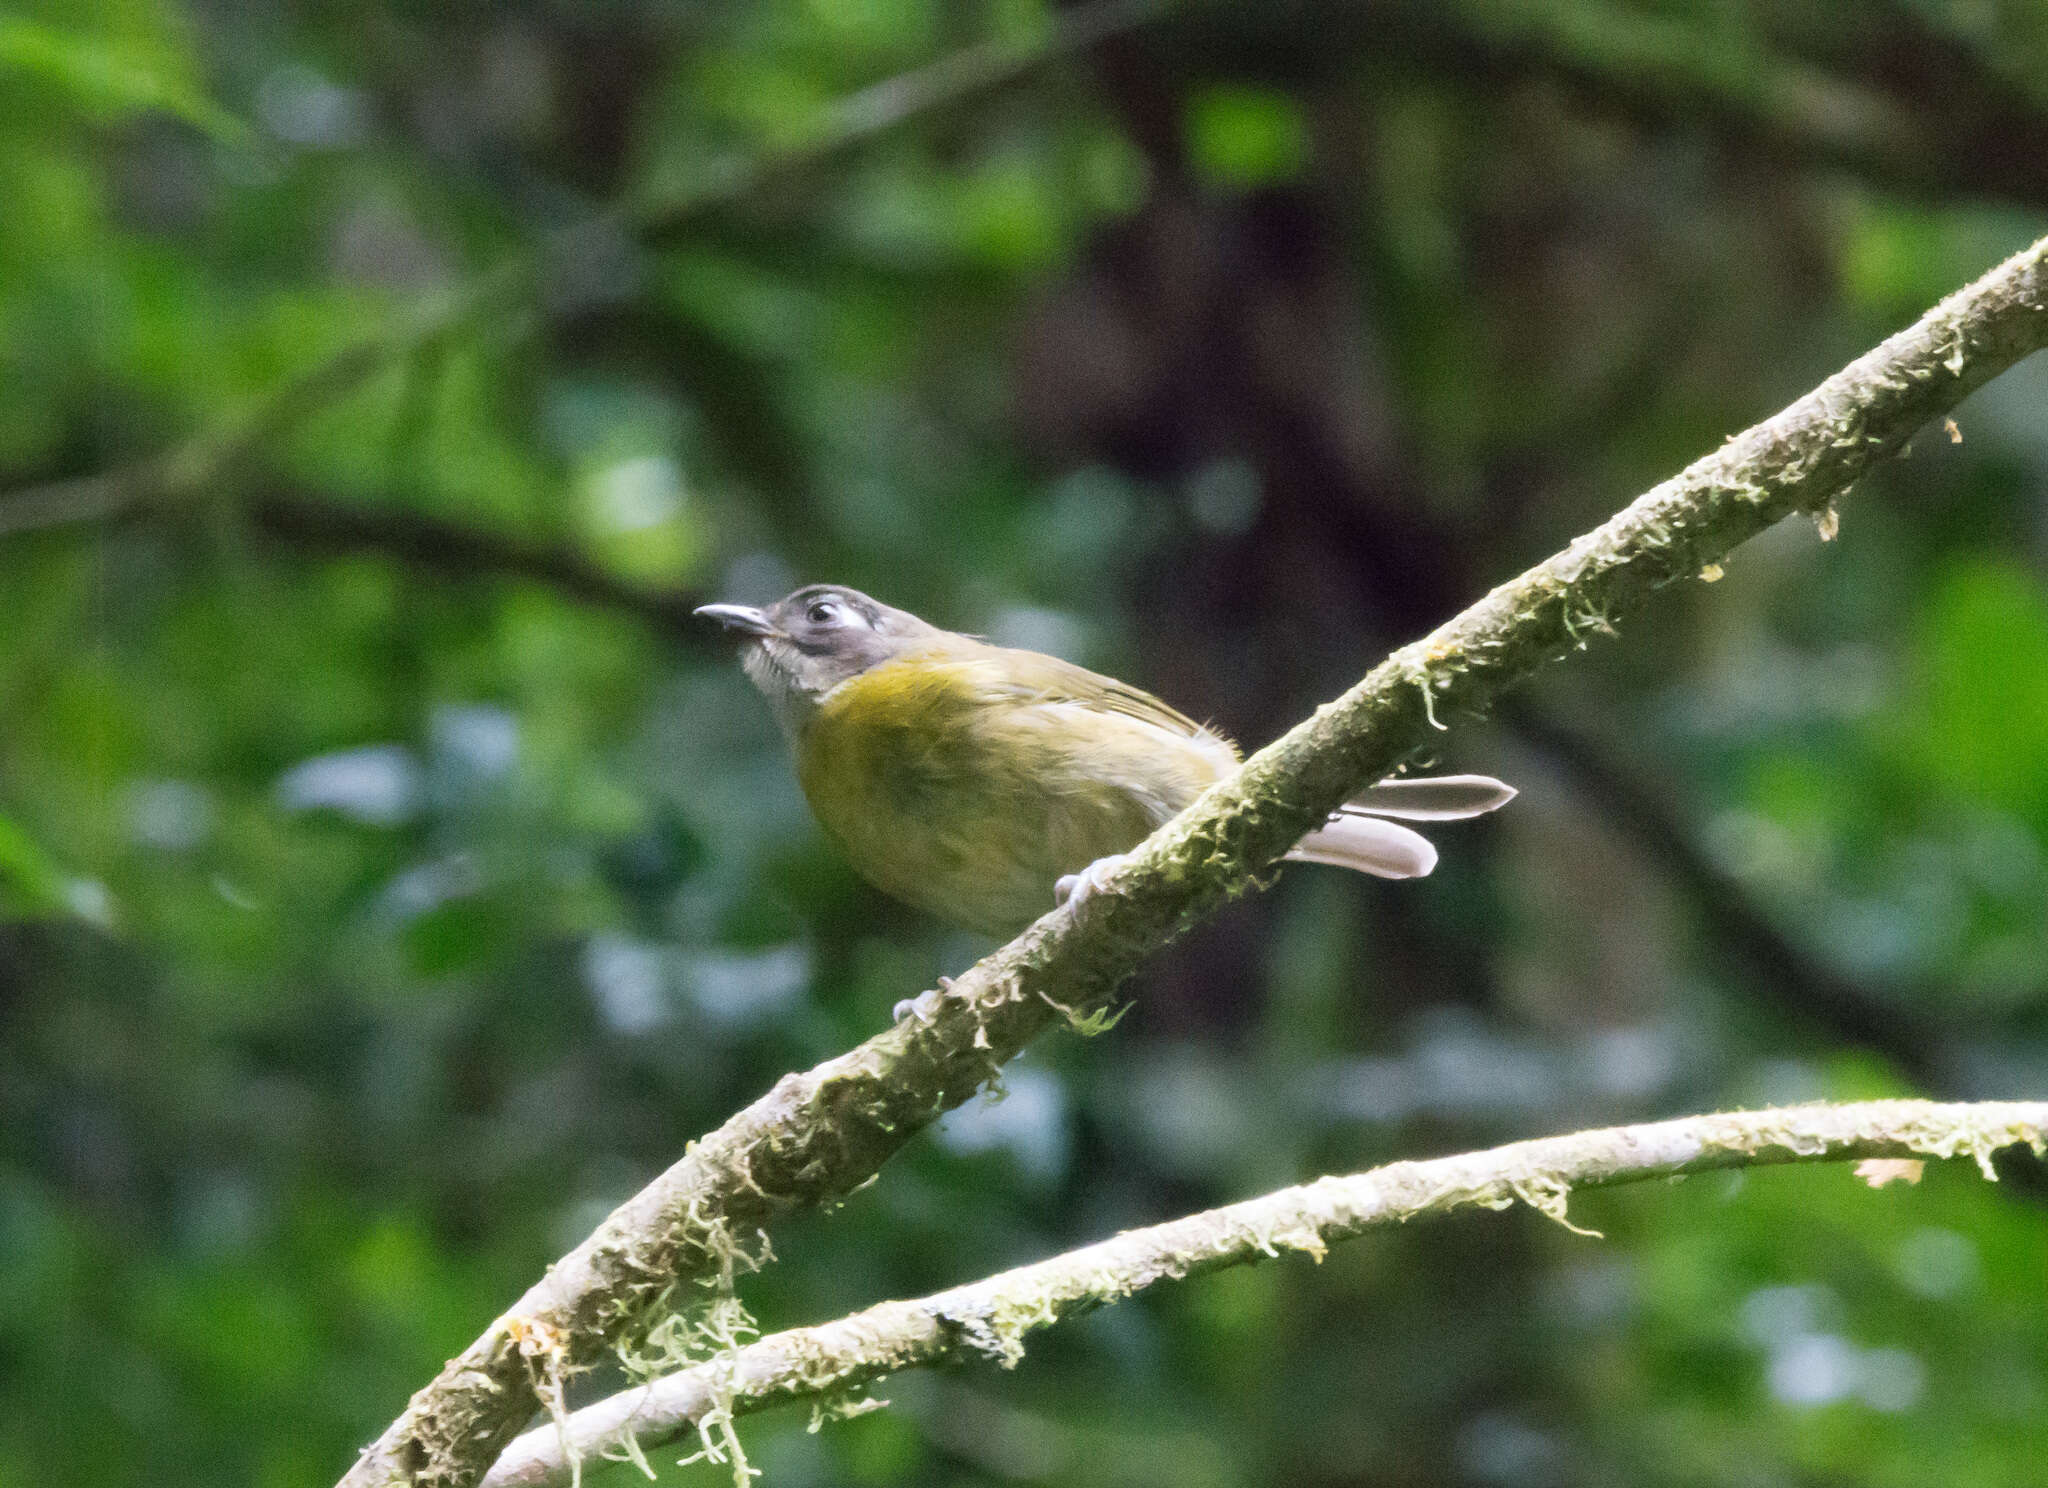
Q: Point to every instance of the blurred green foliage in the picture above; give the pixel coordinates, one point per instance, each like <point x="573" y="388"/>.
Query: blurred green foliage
<point x="389" y="884"/>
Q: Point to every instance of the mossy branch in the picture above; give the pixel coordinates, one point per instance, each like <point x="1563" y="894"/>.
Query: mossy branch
<point x="990" y="1319"/>
<point x="816" y="1136"/>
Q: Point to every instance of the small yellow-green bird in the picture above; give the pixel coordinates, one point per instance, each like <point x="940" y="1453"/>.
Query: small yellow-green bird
<point x="981" y="783"/>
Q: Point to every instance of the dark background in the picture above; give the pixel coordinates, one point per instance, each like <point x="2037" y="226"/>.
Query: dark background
<point x="393" y="880"/>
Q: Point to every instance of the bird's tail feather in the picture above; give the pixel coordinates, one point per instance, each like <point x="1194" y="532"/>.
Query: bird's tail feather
<point x="1356" y="837"/>
<point x="1434" y="797"/>
<point x="1351" y="839"/>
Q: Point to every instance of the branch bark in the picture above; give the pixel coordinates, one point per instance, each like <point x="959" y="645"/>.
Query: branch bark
<point x="816" y="1136"/>
<point x="990" y="1318"/>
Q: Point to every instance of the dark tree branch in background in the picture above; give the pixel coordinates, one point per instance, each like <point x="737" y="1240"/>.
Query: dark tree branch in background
<point x="969" y="73"/>
<point x="1979" y="114"/>
<point x="990" y="1319"/>
<point x="818" y="1135"/>
<point x="463" y="551"/>
<point x="1907" y="108"/>
<point x="197" y="468"/>
<point x="1780" y="972"/>
<point x="1810" y="988"/>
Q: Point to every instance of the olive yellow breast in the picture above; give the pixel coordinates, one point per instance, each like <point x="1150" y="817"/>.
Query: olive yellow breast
<point x="966" y="779"/>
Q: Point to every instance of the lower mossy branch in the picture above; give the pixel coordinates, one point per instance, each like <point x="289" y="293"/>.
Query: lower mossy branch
<point x="991" y="1318"/>
<point x="818" y="1135"/>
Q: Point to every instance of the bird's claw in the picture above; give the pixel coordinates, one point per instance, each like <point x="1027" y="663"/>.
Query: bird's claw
<point x="923" y="1007"/>
<point x="1075" y="889"/>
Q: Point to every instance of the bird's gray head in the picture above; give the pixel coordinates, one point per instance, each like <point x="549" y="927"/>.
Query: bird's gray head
<point x="800" y="648"/>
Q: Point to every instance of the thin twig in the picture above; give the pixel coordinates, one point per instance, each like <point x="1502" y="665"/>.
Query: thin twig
<point x="200" y="465"/>
<point x="990" y="1318"/>
<point x="462" y="550"/>
<point x="966" y="74"/>
<point x="817" y="1135"/>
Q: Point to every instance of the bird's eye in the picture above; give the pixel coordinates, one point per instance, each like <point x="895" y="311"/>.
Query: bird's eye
<point x="821" y="612"/>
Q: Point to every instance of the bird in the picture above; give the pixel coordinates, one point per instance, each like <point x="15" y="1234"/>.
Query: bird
<point x="985" y="784"/>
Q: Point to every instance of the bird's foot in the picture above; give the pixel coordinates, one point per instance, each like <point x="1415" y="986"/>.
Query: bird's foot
<point x="923" y="1007"/>
<point x="1076" y="889"/>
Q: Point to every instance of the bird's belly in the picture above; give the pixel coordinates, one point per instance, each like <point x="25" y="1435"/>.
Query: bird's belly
<point x="979" y="853"/>
<point x="973" y="813"/>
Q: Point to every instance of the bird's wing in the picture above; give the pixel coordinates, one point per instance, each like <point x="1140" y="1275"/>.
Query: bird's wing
<point x="1029" y="676"/>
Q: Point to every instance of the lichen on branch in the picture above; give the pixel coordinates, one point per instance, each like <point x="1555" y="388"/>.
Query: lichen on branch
<point x="991" y="1318"/>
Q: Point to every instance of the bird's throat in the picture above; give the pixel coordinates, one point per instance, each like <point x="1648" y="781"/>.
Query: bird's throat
<point x="770" y="670"/>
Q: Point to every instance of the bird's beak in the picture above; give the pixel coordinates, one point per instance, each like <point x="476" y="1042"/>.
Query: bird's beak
<point x="744" y="619"/>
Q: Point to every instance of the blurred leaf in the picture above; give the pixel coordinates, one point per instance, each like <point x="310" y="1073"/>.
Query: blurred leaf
<point x="30" y="884"/>
<point x="1242" y="137"/>
<point x="104" y="80"/>
<point x="1980" y="720"/>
